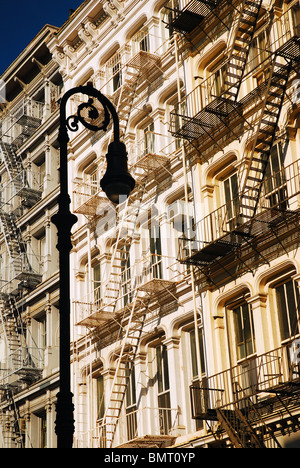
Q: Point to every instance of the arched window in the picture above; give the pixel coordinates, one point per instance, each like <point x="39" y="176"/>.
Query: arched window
<point x="287" y="306"/>
<point x="241" y="328"/>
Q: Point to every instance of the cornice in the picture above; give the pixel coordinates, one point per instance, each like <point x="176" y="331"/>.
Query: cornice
<point x="27" y="54"/>
<point x="83" y="25"/>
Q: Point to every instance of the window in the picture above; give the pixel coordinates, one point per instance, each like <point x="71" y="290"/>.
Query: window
<point x="275" y="182"/>
<point x="155" y="250"/>
<point x="114" y="72"/>
<point x="258" y="49"/>
<point x="231" y="198"/>
<point x="38" y="355"/>
<point x="41" y="421"/>
<point x="42" y="251"/>
<point x="218" y="76"/>
<point x="117" y="76"/>
<point x="38" y="173"/>
<point x="243" y="329"/>
<point x="131" y="415"/>
<point x="198" y="373"/>
<point x="178" y="110"/>
<point x="140" y="41"/>
<point x="287" y="299"/>
<point x="100" y="397"/>
<point x="149" y="138"/>
<point x="295" y="12"/>
<point x="163" y="387"/>
<point x="195" y="364"/>
<point x="126" y="278"/>
<point x="168" y="14"/>
<point x="96" y="271"/>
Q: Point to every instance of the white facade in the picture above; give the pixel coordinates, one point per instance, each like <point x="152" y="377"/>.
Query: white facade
<point x="185" y="320"/>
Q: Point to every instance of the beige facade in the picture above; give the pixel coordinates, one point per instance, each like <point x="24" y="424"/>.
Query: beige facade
<point x="185" y="319"/>
<point x="29" y="295"/>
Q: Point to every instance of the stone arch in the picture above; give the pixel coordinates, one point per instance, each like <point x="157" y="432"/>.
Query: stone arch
<point x="138" y="23"/>
<point x="220" y="167"/>
<point x="243" y="289"/>
<point x="273" y="274"/>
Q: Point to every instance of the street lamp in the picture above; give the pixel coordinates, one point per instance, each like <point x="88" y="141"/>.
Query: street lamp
<point x="117" y="183"/>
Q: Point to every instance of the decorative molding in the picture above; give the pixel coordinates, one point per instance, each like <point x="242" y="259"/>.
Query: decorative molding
<point x="114" y="9"/>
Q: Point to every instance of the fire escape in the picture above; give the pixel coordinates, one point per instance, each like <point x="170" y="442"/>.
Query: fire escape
<point x="19" y="276"/>
<point x="225" y="247"/>
<point x="128" y="291"/>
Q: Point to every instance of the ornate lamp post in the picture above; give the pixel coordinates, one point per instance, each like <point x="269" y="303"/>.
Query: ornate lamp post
<point x="116" y="183"/>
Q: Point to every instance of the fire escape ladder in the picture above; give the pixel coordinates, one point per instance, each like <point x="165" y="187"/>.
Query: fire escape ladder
<point x="192" y="15"/>
<point x="239" y="431"/>
<point x="127" y="92"/>
<point x="17" y="175"/>
<point x="137" y="68"/>
<point x="243" y="36"/>
<point x="11" y="328"/>
<point x="120" y="254"/>
<point x="264" y="139"/>
<point x="13" y="164"/>
<point x="132" y="333"/>
<point x="13" y="239"/>
<point x="225" y="107"/>
<point x="10" y="421"/>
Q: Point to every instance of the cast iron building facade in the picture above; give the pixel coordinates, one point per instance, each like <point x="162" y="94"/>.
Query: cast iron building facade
<point x="29" y="296"/>
<point x="185" y="299"/>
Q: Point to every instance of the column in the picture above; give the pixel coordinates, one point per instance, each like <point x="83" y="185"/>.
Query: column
<point x="176" y="384"/>
<point x="260" y="323"/>
<point x="143" y="418"/>
<point x="49" y="421"/>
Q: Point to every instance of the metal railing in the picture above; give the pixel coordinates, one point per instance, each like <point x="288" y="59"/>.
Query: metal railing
<point x="254" y="377"/>
<point x="138" y="423"/>
<point x="143" y="274"/>
<point x="27" y="113"/>
<point x="280" y="190"/>
<point x="23" y="266"/>
<point x="24" y="362"/>
<point x="283" y="29"/>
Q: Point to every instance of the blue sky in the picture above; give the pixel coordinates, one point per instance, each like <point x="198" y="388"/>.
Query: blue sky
<point x="20" y="21"/>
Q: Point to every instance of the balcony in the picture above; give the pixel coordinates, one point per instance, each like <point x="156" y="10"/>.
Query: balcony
<point x="223" y="233"/>
<point x="261" y="388"/>
<point x="193" y="13"/>
<point x="142" y="428"/>
<point x="22" y="121"/>
<point x="89" y="199"/>
<point x="207" y="117"/>
<point x="22" y="271"/>
<point x="128" y="288"/>
<point x="132" y="61"/>
<point x="150" y="152"/>
<point x="23" y="365"/>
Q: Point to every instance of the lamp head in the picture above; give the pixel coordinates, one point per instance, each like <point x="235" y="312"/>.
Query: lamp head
<point x="117" y="183"/>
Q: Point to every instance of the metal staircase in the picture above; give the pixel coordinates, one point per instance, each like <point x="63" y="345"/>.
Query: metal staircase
<point x="216" y="116"/>
<point x="14" y="243"/>
<point x="243" y="35"/>
<point x="17" y="175"/>
<point x="103" y="303"/>
<point x="11" y="327"/>
<point x="251" y="181"/>
<point x="19" y="264"/>
<point x="125" y="361"/>
<point x="20" y="364"/>
<point x="136" y="70"/>
<point x="120" y="254"/>
<point x="240" y="432"/>
<point x="10" y="421"/>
